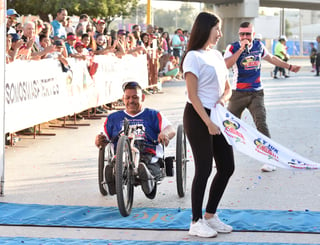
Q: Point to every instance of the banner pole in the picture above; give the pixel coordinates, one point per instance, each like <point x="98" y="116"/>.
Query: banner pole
<point x="2" y="64"/>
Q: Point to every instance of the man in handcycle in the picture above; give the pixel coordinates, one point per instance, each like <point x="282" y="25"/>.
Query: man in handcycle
<point x="156" y="127"/>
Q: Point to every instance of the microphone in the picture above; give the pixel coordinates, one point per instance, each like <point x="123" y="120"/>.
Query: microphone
<point x="246" y="49"/>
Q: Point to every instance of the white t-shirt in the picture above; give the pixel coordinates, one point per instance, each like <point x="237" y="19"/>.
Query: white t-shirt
<point x="210" y="69"/>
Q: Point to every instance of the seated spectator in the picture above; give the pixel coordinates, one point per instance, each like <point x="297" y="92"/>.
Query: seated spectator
<point x="172" y="67"/>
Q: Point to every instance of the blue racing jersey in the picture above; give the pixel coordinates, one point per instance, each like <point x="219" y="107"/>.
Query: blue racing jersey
<point x="247" y="69"/>
<point x="150" y="121"/>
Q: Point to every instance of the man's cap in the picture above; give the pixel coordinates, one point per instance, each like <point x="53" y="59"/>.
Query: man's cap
<point x="283" y="37"/>
<point x="11" y="12"/>
<point x="121" y="32"/>
<point x="58" y="43"/>
<point x="101" y="22"/>
<point x="71" y="37"/>
<point x="79" y="44"/>
<point x="15" y="37"/>
<point x="131" y="84"/>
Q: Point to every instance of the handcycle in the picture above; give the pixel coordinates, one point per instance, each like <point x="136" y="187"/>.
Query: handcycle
<point x="125" y="164"/>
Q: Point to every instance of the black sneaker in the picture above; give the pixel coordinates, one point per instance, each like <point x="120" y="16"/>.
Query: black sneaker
<point x="110" y="179"/>
<point x="275" y="77"/>
<point x="146" y="178"/>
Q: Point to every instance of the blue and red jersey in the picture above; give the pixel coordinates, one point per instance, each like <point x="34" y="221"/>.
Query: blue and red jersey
<point x="247" y="69"/>
<point x="150" y="121"/>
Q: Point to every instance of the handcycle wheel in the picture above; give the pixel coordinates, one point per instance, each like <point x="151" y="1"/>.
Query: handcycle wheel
<point x="181" y="160"/>
<point x="101" y="165"/>
<point x="124" y="176"/>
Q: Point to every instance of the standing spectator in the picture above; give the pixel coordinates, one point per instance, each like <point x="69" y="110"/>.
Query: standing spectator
<point x="245" y="57"/>
<point x="313" y="56"/>
<point x="207" y="85"/>
<point x="59" y="32"/>
<point x="14" y="44"/>
<point x="145" y="40"/>
<point x="12" y="16"/>
<point x="72" y="52"/>
<point x="164" y="42"/>
<point x="47" y="30"/>
<point x="80" y="48"/>
<point x="281" y="52"/>
<point x="136" y="28"/>
<point x="68" y="25"/>
<point x="149" y="30"/>
<point x="87" y="41"/>
<point x="177" y="45"/>
<point x="318" y="56"/>
<point x="100" y="27"/>
<point x="30" y="45"/>
<point x="81" y="28"/>
<point x="19" y="29"/>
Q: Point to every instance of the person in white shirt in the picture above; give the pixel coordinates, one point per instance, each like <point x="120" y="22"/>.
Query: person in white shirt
<point x="207" y="84"/>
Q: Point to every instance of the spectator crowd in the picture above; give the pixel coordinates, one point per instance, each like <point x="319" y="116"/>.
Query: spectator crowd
<point x="62" y="38"/>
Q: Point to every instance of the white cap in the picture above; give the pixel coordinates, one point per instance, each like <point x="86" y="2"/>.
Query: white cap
<point x="283" y="37"/>
<point x="258" y="36"/>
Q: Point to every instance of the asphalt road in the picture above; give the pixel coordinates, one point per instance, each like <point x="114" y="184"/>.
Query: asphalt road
<point x="62" y="169"/>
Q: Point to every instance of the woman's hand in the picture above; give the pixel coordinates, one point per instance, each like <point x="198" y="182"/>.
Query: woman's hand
<point x="213" y="129"/>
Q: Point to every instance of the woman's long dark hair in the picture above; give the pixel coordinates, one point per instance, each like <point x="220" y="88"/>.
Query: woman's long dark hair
<point x="200" y="32"/>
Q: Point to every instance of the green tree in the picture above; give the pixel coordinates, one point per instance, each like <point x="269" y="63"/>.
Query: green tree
<point x="106" y="9"/>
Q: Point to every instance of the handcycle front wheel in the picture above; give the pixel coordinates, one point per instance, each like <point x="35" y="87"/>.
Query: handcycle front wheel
<point x="181" y="161"/>
<point x="101" y="166"/>
<point x="124" y="176"/>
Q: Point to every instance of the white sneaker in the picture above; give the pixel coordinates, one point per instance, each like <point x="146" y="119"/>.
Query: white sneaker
<point x="216" y="224"/>
<point x="268" y="168"/>
<point x="201" y="229"/>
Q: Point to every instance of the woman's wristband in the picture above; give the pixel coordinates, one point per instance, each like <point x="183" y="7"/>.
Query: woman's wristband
<point x="290" y="66"/>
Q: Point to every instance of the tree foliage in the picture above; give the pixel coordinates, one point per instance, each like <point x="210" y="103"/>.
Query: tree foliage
<point x="106" y="9"/>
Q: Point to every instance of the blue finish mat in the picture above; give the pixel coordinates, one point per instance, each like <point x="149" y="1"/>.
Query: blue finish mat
<point x="57" y="241"/>
<point x="154" y="218"/>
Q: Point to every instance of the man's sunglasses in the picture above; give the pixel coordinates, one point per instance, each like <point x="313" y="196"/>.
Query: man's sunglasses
<point x="245" y="33"/>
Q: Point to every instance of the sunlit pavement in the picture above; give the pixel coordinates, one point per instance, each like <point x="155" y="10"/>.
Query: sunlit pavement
<point x="62" y="169"/>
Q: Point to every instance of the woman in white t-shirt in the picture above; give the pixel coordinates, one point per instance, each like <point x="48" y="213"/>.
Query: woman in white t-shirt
<point x="207" y="84"/>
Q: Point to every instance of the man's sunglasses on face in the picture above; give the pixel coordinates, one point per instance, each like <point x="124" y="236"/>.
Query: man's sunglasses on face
<point x="245" y="33"/>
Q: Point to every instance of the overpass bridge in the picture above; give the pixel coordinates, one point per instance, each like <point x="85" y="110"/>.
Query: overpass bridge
<point x="233" y="12"/>
<point x="296" y="4"/>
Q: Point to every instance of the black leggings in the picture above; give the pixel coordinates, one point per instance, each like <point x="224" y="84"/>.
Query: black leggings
<point x="204" y="148"/>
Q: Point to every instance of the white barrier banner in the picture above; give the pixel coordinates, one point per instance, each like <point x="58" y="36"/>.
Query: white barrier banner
<point x="39" y="91"/>
<point x="251" y="142"/>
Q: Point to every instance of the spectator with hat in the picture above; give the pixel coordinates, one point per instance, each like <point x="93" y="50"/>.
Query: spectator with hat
<point x="80" y="48"/>
<point x="70" y="42"/>
<point x="100" y="28"/>
<point x="59" y="32"/>
<point x="281" y="52"/>
<point x="12" y="16"/>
